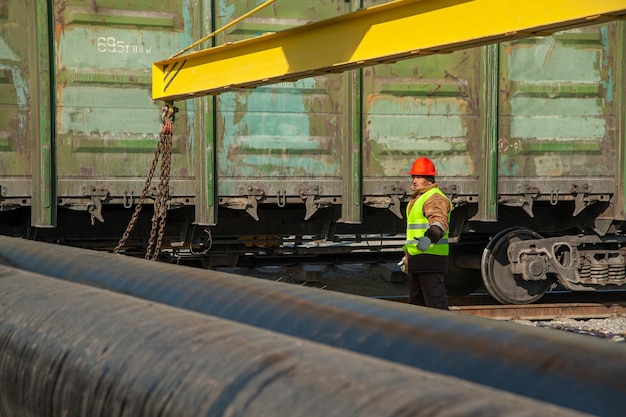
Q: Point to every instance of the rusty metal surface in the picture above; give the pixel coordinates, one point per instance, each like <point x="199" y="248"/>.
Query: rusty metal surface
<point x="556" y="117"/>
<point x="583" y="374"/>
<point x="557" y="104"/>
<point x="72" y="350"/>
<point x="387" y="33"/>
<point x="107" y="126"/>
<point x="558" y="111"/>
<point x="422" y="106"/>
<point x="18" y="93"/>
<point x="282" y="139"/>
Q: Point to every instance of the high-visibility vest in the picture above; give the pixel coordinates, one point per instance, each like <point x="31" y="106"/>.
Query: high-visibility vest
<point x="417" y="224"/>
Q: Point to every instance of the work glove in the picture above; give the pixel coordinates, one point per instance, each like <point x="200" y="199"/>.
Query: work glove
<point x="402" y="265"/>
<point x="423" y="243"/>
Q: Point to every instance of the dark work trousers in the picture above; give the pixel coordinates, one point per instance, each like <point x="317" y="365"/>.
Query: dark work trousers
<point x="428" y="289"/>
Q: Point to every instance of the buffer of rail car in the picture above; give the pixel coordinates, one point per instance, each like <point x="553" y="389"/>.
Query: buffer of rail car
<point x="398" y="30"/>
<point x="581" y="373"/>
<point x="385" y="33"/>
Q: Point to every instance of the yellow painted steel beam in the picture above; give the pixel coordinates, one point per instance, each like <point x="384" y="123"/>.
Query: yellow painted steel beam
<point x="384" y="33"/>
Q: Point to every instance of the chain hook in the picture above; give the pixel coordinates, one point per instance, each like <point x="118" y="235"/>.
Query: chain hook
<point x="168" y="112"/>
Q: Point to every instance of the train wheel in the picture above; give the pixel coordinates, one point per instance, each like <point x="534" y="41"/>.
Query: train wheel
<point x="499" y="279"/>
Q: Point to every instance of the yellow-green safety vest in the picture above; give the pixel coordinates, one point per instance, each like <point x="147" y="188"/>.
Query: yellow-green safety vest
<point x="417" y="224"/>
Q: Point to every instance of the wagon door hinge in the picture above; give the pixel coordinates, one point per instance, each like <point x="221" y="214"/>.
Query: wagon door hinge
<point x="281" y="198"/>
<point x="98" y="195"/>
<point x="394" y="205"/>
<point x="451" y="191"/>
<point x="253" y="194"/>
<point x="391" y="201"/>
<point x="311" y="204"/>
<point x="581" y="201"/>
<point x="530" y="193"/>
<point x="3" y="194"/>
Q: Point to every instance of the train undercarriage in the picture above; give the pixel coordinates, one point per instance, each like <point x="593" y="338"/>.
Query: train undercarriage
<point x="517" y="259"/>
<point x="518" y="266"/>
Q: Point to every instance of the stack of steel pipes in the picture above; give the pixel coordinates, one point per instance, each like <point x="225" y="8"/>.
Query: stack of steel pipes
<point x="90" y="333"/>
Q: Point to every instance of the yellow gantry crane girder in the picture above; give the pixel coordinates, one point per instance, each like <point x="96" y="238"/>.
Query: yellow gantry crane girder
<point x="385" y="33"/>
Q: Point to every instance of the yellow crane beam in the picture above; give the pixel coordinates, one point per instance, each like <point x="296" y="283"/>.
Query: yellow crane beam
<point x="385" y="33"/>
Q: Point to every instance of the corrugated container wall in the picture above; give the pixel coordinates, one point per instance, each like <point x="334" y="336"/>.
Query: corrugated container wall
<point x="285" y="139"/>
<point x="427" y="106"/>
<point x="558" y="110"/>
<point x="25" y="129"/>
<point x="107" y="126"/>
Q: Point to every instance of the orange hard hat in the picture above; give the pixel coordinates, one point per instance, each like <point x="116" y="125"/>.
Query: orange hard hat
<point x="423" y="166"/>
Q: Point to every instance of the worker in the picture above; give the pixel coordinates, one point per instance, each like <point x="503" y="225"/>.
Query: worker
<point x="426" y="250"/>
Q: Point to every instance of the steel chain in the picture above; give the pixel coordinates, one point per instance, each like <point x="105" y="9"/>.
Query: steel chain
<point x="139" y="205"/>
<point x="165" y="180"/>
<point x="160" y="203"/>
<point x="163" y="152"/>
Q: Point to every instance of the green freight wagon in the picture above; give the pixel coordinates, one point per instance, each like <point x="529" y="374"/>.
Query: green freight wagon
<point x="527" y="136"/>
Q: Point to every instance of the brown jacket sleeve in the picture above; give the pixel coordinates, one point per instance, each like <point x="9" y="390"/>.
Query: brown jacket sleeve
<point x="436" y="210"/>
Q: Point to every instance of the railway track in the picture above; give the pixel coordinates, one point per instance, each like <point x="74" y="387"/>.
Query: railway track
<point x="557" y="305"/>
<point x="545" y="311"/>
<point x="553" y="305"/>
<point x="597" y="315"/>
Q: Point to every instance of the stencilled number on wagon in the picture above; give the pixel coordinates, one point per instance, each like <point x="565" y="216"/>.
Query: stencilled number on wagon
<point x="504" y="145"/>
<point x="112" y="45"/>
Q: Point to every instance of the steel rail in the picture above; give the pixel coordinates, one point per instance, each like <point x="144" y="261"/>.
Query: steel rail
<point x="584" y="374"/>
<point x="572" y="306"/>
<point x="544" y="311"/>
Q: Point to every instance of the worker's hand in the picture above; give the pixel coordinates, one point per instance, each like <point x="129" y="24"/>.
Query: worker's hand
<point x="402" y="265"/>
<point x="423" y="243"/>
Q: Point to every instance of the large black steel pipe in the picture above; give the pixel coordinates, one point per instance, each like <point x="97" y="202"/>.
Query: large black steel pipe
<point x="585" y="374"/>
<point x="70" y="350"/>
